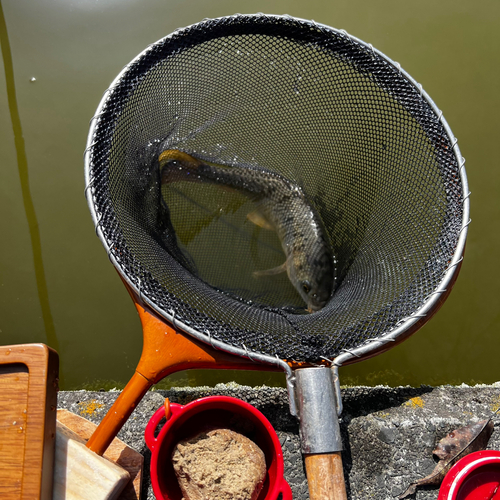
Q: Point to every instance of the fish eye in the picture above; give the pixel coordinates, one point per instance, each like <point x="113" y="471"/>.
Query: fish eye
<point x="306" y="286"/>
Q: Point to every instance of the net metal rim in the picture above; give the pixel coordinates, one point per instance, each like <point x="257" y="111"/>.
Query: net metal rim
<point x="372" y="344"/>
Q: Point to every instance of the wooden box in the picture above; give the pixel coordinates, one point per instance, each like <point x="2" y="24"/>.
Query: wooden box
<point x="28" y="404"/>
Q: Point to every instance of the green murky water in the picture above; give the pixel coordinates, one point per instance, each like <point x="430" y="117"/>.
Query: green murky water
<point x="56" y="283"/>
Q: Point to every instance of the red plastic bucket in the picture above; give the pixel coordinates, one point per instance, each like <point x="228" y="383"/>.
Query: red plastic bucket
<point x="218" y="411"/>
<point x="474" y="477"/>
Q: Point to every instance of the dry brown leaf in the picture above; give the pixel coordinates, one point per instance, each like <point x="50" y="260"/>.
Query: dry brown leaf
<point x="453" y="447"/>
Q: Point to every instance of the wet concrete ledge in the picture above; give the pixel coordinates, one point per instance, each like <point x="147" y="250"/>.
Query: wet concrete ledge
<point x="388" y="433"/>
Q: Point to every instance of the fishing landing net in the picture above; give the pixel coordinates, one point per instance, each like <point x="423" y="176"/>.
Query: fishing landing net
<point x="324" y="110"/>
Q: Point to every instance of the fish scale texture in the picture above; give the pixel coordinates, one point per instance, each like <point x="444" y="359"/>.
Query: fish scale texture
<point x="388" y="433"/>
<point x="314" y="106"/>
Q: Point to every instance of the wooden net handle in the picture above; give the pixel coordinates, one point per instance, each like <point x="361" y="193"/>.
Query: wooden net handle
<point x="325" y="476"/>
<point x="165" y="351"/>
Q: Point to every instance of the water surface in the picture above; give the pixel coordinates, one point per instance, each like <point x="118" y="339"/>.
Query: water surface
<point x="56" y="283"/>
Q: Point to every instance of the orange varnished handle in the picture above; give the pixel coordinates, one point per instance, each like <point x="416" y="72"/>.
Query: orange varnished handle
<point x="118" y="413"/>
<point x="325" y="476"/>
<point x="165" y="351"/>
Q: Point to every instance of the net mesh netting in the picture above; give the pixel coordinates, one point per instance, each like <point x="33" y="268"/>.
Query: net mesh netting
<point x="321" y="110"/>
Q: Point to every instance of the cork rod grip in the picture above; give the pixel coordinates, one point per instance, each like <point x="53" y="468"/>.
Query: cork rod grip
<point x="325" y="476"/>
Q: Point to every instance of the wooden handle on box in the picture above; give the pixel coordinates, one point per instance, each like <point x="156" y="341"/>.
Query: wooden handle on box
<point x="325" y="476"/>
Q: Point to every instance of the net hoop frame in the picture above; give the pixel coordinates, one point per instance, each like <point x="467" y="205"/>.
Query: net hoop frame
<point x="372" y="345"/>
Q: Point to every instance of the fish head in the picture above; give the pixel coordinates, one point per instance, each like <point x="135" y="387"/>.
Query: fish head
<point x="315" y="294"/>
<point x="314" y="282"/>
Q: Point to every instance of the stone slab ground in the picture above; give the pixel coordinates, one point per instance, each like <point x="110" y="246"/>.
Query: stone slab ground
<point x="388" y="433"/>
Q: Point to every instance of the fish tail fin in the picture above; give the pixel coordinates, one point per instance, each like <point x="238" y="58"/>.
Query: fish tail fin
<point x="189" y="164"/>
<point x="176" y="155"/>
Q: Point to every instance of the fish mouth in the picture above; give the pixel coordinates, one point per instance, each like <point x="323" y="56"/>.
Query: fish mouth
<point x="315" y="308"/>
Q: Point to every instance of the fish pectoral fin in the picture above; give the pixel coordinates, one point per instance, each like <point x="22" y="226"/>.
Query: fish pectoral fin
<point x="258" y="219"/>
<point x="273" y="271"/>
